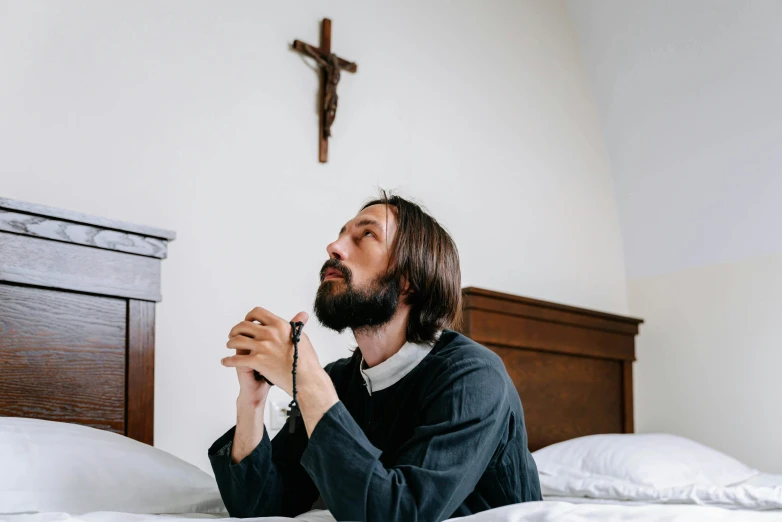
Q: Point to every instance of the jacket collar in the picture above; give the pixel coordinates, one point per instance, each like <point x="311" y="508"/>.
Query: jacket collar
<point x="393" y="369"/>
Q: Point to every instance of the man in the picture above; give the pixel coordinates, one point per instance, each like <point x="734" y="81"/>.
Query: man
<point x="419" y="424"/>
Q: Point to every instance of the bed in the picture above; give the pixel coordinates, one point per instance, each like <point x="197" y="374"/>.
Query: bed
<point x="77" y="297"/>
<point x="573" y="368"/>
<point x="77" y="312"/>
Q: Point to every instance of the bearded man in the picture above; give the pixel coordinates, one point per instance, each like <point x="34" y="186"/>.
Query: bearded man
<point x="419" y="424"/>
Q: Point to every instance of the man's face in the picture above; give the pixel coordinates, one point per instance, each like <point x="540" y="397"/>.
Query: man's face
<point x="354" y="291"/>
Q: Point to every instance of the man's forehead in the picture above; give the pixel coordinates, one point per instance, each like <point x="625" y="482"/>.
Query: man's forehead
<point x="375" y="214"/>
<point x="378" y="212"/>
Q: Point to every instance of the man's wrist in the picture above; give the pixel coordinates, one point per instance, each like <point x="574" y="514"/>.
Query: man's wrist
<point x="248" y="404"/>
<point x="316" y="396"/>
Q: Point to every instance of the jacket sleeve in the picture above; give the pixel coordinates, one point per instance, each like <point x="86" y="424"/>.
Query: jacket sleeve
<point x="270" y="481"/>
<point x="461" y="424"/>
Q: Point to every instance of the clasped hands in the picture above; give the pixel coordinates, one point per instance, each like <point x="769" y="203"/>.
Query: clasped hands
<point x="263" y="342"/>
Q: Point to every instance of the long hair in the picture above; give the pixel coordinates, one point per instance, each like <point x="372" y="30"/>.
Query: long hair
<point x="424" y="256"/>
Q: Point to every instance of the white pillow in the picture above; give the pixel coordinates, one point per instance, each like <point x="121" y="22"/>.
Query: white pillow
<point x="656" y="460"/>
<point x="54" y="466"/>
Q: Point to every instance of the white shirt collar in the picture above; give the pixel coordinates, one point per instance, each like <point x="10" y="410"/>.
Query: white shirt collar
<point x="393" y="369"/>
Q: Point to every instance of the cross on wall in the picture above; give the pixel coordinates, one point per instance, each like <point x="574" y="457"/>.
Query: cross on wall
<point x="331" y="66"/>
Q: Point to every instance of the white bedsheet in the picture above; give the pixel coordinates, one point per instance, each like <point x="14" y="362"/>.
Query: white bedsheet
<point x="760" y="493"/>
<point x="759" y="498"/>
<point x="546" y="511"/>
<point x="549" y="511"/>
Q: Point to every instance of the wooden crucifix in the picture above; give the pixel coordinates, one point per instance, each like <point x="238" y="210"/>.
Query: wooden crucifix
<point x="330" y="66"/>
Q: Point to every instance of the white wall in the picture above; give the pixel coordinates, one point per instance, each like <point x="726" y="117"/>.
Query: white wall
<point x="709" y="357"/>
<point x="689" y="100"/>
<point x="688" y="93"/>
<point x="196" y="116"/>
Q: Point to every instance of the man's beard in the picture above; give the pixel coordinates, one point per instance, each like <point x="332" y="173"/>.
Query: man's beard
<point x="355" y="308"/>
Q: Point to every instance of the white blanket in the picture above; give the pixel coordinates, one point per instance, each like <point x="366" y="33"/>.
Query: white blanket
<point x="760" y="493"/>
<point x="549" y="511"/>
<point x="546" y="511"/>
<point x="759" y="498"/>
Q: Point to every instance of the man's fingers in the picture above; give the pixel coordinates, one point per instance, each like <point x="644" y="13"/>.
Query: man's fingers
<point x="241" y="342"/>
<point x="263" y="316"/>
<point x="301" y="316"/>
<point x="237" y="361"/>
<point x="248" y="329"/>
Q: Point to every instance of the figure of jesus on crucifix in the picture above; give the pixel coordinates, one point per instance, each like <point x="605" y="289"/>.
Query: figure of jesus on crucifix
<point x="331" y="68"/>
<point x="331" y="65"/>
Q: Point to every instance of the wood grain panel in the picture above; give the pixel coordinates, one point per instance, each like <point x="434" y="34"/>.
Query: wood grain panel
<point x="478" y="298"/>
<point x="572" y="366"/>
<point x="141" y="371"/>
<point x="78" y="217"/>
<point x="627" y="397"/>
<point x="87" y="235"/>
<point x="516" y="331"/>
<point x="41" y="262"/>
<point x="62" y="357"/>
<point x="565" y="396"/>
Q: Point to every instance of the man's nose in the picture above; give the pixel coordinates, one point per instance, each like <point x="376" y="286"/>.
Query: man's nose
<point x="337" y="251"/>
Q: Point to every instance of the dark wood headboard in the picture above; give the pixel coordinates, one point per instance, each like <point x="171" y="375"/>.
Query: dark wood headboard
<point x="573" y="368"/>
<point x="77" y="318"/>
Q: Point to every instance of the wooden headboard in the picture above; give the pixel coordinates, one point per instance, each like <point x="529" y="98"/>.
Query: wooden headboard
<point x="77" y="318"/>
<point x="573" y="368"/>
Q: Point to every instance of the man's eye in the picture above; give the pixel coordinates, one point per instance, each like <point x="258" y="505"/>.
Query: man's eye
<point x="368" y="233"/>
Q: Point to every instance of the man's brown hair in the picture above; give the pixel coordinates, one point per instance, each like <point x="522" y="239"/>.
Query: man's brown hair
<point x="425" y="257"/>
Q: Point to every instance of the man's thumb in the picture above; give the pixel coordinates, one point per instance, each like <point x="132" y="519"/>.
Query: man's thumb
<point x="301" y="316"/>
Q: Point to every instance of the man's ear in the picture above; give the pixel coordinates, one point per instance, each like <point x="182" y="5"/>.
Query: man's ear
<point x="405" y="284"/>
